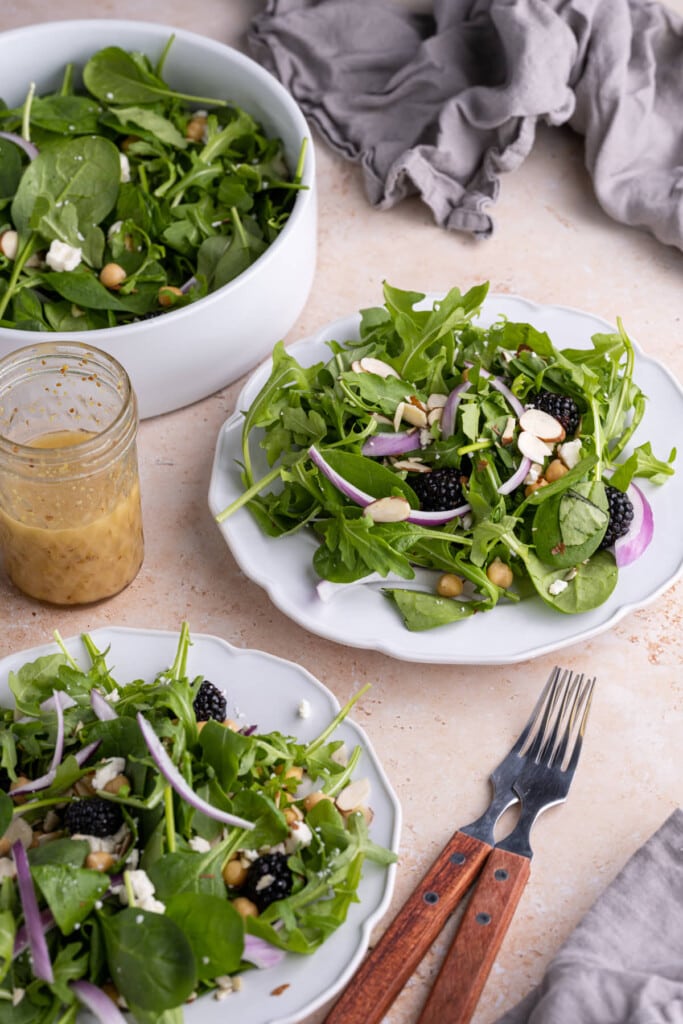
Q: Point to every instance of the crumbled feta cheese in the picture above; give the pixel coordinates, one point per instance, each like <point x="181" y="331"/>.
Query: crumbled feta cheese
<point x="199" y="844"/>
<point x="125" y="168"/>
<point x="61" y="256"/>
<point x="106" y="844"/>
<point x="7" y="868"/>
<point x="299" y="835"/>
<point x="557" y="587"/>
<point x="113" y="697"/>
<point x="264" y="882"/>
<point x="9" y="244"/>
<point x="114" y="228"/>
<point x="570" y="452"/>
<point x="17" y="995"/>
<point x="108" y="771"/>
<point x="143" y="892"/>
<point x="534" y="473"/>
<point x="304" y="709"/>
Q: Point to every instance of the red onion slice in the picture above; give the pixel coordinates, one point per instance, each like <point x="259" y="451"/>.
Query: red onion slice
<point x="21" y="942"/>
<point x="392" y="444"/>
<point x="42" y="968"/>
<point x="28" y="147"/>
<point x="81" y="756"/>
<point x="451" y="407"/>
<point x="176" y="780"/>
<point x="102" y="707"/>
<point x="631" y="546"/>
<point x="59" y="740"/>
<point x="260" y="953"/>
<point x="517" y="478"/>
<point x="362" y="498"/>
<point x="99" y="1004"/>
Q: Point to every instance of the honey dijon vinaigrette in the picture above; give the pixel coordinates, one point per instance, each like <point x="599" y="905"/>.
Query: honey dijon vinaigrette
<point x="70" y="511"/>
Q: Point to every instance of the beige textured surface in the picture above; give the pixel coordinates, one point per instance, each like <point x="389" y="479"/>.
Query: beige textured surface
<point x="439" y="730"/>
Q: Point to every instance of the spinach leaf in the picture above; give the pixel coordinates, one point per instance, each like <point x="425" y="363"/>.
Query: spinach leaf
<point x="150" y="959"/>
<point x="213" y="928"/>
<point x="70" y="892"/>
<point x="570" y="527"/>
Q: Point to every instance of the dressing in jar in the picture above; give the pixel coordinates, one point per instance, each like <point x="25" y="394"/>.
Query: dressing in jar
<point x="70" y="513"/>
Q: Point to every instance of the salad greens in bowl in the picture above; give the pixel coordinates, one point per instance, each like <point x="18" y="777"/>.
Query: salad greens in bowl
<point x="152" y="190"/>
<point x="167" y="840"/>
<point x="464" y="463"/>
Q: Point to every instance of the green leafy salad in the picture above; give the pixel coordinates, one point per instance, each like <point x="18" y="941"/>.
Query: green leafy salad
<point x="122" y="198"/>
<point x="483" y="454"/>
<point x="151" y="850"/>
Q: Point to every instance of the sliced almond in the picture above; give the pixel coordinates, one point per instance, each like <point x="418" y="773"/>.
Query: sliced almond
<point x="411" y="466"/>
<point x="508" y="434"/>
<point x="356" y="367"/>
<point x="533" y="447"/>
<point x="378" y="418"/>
<point x="436" y="401"/>
<point x="434" y="415"/>
<point x="387" y="510"/>
<point x="354" y="796"/>
<point x="414" y="415"/>
<point x="414" y="400"/>
<point x="542" y="425"/>
<point x="398" y="415"/>
<point x="378" y="366"/>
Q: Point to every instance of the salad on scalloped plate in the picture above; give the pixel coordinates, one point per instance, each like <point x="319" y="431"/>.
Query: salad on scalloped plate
<point x="407" y="470"/>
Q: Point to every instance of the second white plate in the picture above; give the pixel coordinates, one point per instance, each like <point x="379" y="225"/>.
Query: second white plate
<point x="362" y="617"/>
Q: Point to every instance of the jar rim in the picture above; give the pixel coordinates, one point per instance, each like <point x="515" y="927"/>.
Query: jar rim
<point x="117" y="433"/>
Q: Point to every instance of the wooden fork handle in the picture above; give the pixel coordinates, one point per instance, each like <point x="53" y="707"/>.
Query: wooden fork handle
<point x="388" y="966"/>
<point x="467" y="964"/>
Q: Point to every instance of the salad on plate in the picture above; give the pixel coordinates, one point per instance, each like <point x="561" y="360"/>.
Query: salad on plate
<point x="461" y="464"/>
<point x="152" y="849"/>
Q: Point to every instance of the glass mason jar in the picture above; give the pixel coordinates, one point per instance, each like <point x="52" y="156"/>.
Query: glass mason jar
<point x="70" y="515"/>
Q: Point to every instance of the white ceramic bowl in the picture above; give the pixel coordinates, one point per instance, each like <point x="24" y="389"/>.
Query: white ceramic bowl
<point x="186" y="354"/>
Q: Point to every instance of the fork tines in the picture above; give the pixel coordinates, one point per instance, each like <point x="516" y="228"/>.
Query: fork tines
<point x="564" y="706"/>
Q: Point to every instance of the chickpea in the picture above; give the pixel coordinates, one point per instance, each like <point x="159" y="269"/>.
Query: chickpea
<point x="99" y="861"/>
<point x="314" y="798"/>
<point x="555" y="470"/>
<point x="20" y="780"/>
<point x="129" y="141"/>
<point x="292" y="814"/>
<point x="449" y="585"/>
<point x="112" y="276"/>
<point x="195" y="129"/>
<point x="500" y="574"/>
<point x="229" y="723"/>
<point x="167" y="294"/>
<point x="117" y="783"/>
<point x="234" y="873"/>
<point x="530" y="488"/>
<point x="245" y="907"/>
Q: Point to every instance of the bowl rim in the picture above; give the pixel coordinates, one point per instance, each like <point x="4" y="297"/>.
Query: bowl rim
<point x="304" y="197"/>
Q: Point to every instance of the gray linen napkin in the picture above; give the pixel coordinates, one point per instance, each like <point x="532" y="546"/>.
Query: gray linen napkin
<point x="442" y="105"/>
<point x="623" y="964"/>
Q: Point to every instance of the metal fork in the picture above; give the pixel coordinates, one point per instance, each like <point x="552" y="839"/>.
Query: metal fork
<point x="543" y="782"/>
<point x="393" y="960"/>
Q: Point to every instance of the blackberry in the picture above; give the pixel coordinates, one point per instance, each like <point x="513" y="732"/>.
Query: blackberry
<point x="620" y="515"/>
<point x="268" y="879"/>
<point x="93" y="817"/>
<point x="562" y="407"/>
<point x="209" y="703"/>
<point x="439" y="490"/>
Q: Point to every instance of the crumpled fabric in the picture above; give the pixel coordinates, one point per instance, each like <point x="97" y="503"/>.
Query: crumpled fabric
<point x="442" y="104"/>
<point x="623" y="964"/>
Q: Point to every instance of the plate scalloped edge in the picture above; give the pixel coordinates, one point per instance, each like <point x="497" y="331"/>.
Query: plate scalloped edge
<point x="545" y="631"/>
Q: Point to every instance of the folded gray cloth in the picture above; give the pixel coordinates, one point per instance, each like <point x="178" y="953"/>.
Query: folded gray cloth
<point x="441" y="105"/>
<point x="623" y="964"/>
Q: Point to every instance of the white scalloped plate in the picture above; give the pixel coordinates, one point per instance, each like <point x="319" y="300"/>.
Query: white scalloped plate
<point x="363" y="617"/>
<point x="265" y="691"/>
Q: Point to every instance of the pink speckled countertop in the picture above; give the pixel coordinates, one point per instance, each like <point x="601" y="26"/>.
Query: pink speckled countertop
<point x="438" y="730"/>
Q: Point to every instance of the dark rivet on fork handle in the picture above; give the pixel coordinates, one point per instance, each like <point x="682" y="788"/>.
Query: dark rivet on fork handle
<point x="458" y="858"/>
<point x="431" y="897"/>
<point x="483" y="918"/>
<point x="500" y="875"/>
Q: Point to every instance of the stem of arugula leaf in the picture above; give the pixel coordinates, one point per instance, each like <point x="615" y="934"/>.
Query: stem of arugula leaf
<point x="70" y="1015"/>
<point x="299" y="172"/>
<point x="179" y="667"/>
<point x="130" y="895"/>
<point x="25" y="252"/>
<point x="318" y="742"/>
<point x="26" y="116"/>
<point x="67" y="81"/>
<point x="612" y="425"/>
<point x="250" y="493"/>
<point x="62" y="647"/>
<point x="170" y="818"/>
